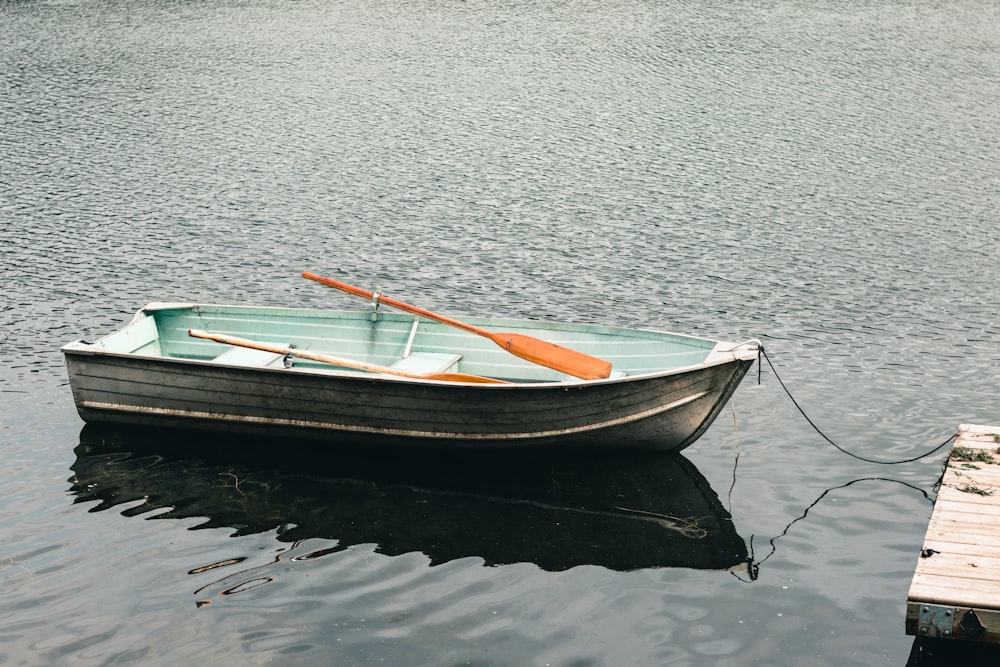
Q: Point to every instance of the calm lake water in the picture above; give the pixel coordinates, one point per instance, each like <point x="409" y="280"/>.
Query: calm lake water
<point x="822" y="176"/>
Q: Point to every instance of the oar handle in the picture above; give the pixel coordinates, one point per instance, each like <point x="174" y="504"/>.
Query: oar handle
<point x="279" y="348"/>
<point x="276" y="348"/>
<point x="415" y="310"/>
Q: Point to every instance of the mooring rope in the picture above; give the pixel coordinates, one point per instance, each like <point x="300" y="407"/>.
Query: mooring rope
<point x="736" y="462"/>
<point x="824" y="436"/>
<point x="753" y="564"/>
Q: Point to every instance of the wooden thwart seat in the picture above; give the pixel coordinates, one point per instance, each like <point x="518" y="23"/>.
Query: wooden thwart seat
<point x="428" y="362"/>
<point x="244" y="356"/>
<point x="416" y="362"/>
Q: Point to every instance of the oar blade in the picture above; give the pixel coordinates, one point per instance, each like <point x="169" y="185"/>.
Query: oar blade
<point x="462" y="377"/>
<point x="556" y="357"/>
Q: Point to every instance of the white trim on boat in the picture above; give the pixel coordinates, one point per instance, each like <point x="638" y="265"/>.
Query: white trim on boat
<point x="438" y="435"/>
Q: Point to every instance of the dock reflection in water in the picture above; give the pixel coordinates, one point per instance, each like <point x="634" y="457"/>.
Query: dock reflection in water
<point x="622" y="512"/>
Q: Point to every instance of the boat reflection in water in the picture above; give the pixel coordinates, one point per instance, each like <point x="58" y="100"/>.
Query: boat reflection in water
<point x="621" y="512"/>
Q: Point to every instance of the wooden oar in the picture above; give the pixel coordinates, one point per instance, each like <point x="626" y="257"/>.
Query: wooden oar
<point x="532" y="349"/>
<point x="338" y="361"/>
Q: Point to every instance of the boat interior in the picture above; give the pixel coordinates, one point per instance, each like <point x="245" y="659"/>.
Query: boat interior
<point x="394" y="340"/>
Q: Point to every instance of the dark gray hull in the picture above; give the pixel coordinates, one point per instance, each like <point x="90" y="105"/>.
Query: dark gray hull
<point x="664" y="412"/>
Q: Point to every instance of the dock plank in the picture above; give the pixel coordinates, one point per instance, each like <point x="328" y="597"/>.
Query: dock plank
<point x="951" y="495"/>
<point x="947" y="591"/>
<point x="964" y="570"/>
<point x="960" y="579"/>
<point x="985" y="545"/>
<point x="958" y="520"/>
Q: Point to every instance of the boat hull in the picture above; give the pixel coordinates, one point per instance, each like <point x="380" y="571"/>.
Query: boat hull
<point x="660" y="413"/>
<point x="660" y="410"/>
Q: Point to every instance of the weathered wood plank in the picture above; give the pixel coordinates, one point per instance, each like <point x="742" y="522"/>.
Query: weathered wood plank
<point x="962" y="566"/>
<point x="975" y="502"/>
<point x="976" y="514"/>
<point x="948" y="590"/>
<point x="963" y="571"/>
<point x="986" y="545"/>
<point x="980" y="474"/>
<point x="945" y="515"/>
<point x="957" y="521"/>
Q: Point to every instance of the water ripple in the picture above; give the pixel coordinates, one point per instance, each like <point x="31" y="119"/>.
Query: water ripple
<point x="821" y="177"/>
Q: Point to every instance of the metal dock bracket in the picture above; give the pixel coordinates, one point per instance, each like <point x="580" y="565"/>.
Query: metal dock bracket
<point x="971" y="624"/>
<point x="935" y="621"/>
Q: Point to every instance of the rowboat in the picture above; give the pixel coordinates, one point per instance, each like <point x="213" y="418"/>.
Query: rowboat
<point x="622" y="511"/>
<point x="377" y="377"/>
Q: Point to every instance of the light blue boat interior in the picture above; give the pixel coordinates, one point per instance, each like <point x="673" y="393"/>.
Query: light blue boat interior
<point x="389" y="338"/>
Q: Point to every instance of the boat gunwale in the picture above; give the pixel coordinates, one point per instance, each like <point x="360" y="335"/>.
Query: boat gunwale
<point x="90" y="349"/>
<point x="721" y="353"/>
<point x="480" y="320"/>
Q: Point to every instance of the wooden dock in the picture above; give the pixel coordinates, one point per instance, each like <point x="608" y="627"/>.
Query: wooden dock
<point x="955" y="593"/>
